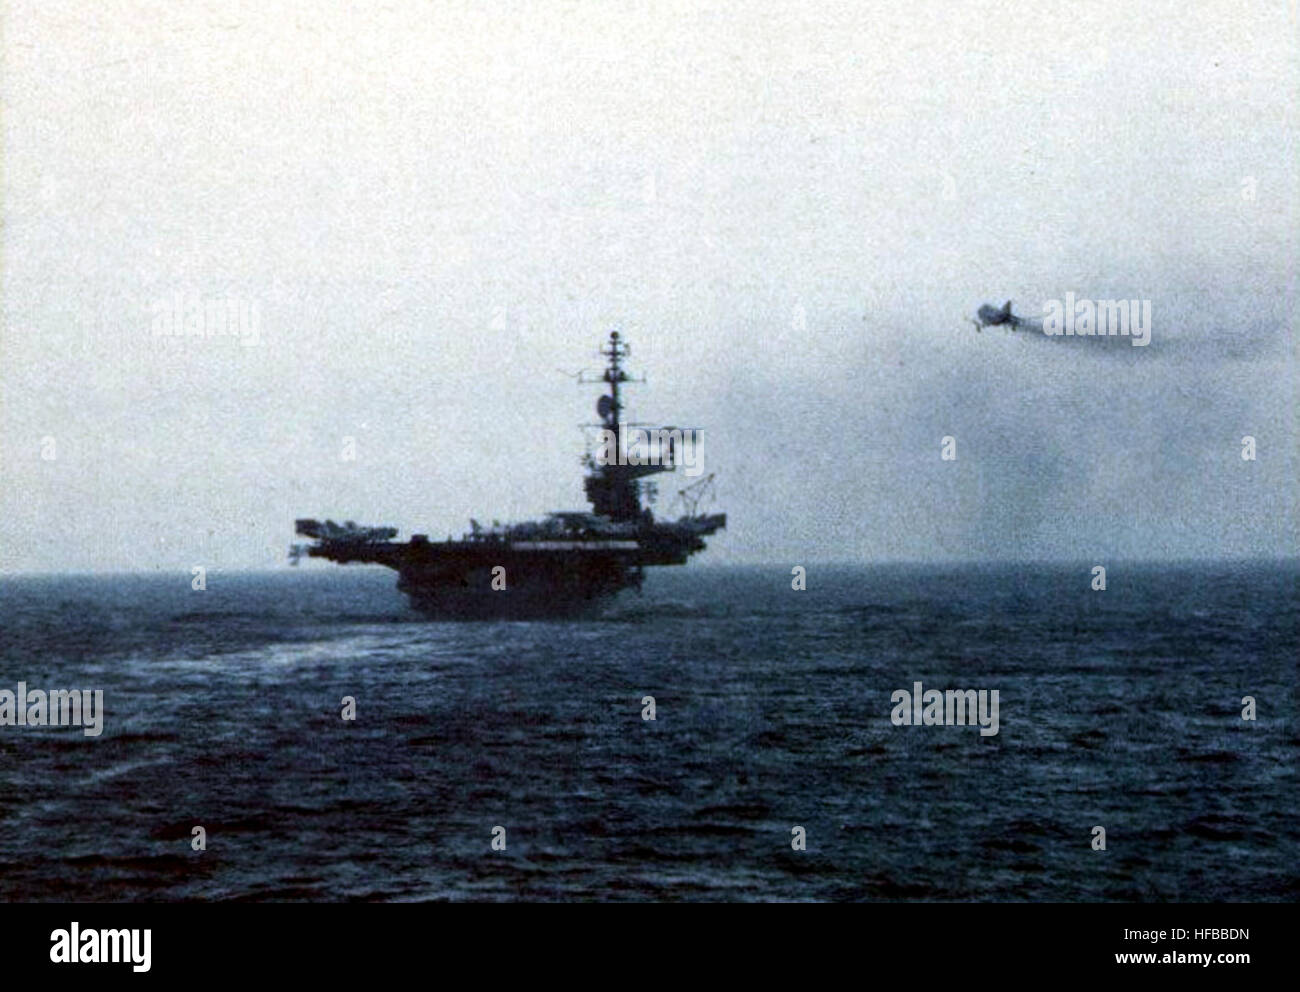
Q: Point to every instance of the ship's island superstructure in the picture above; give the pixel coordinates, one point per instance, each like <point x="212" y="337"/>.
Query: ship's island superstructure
<point x="563" y="565"/>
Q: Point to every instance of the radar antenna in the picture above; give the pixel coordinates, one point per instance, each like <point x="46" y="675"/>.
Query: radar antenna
<point x="696" y="493"/>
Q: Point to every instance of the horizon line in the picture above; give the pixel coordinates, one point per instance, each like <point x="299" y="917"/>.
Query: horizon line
<point x="989" y="563"/>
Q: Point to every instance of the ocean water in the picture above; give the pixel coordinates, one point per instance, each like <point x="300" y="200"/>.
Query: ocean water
<point x="223" y="708"/>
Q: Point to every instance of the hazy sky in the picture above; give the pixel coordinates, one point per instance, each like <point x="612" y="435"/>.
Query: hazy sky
<point x="440" y="209"/>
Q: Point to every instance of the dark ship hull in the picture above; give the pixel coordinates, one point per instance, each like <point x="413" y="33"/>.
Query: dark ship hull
<point x="533" y="585"/>
<point x="539" y="601"/>
<point x="495" y="578"/>
<point x="568" y="565"/>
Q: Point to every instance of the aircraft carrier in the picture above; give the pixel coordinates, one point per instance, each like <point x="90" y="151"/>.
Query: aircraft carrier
<point x="568" y="564"/>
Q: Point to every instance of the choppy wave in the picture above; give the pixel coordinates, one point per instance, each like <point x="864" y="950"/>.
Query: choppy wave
<point x="223" y="710"/>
